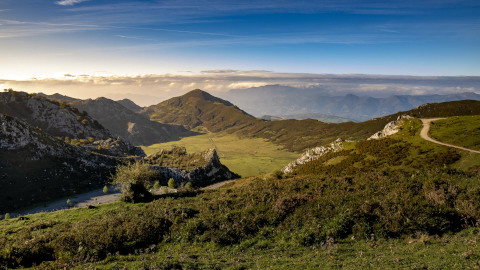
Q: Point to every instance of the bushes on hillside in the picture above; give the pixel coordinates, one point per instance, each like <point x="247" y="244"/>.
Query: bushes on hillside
<point x="300" y="210"/>
<point x="134" y="180"/>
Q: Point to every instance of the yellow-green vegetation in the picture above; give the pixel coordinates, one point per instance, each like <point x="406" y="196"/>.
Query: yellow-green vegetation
<point x="177" y="157"/>
<point x="404" y="150"/>
<point x="460" y="130"/>
<point x="305" y="221"/>
<point x="244" y="156"/>
<point x="458" y="251"/>
<point x="396" y="202"/>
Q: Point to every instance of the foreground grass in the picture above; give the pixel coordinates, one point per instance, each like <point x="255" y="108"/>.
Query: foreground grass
<point x="457" y="251"/>
<point x="460" y="130"/>
<point x="244" y="156"/>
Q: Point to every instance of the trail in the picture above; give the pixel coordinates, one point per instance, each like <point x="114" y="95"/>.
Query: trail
<point x="94" y="198"/>
<point x="424" y="135"/>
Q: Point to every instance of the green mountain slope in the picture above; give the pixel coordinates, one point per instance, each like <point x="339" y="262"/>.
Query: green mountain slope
<point x="199" y="109"/>
<point x="392" y="202"/>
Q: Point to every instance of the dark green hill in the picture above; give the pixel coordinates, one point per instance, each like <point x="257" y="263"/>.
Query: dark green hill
<point x="385" y="195"/>
<point x="198" y="109"/>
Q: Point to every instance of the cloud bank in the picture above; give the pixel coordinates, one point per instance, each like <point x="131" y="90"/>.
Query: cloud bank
<point x="69" y="2"/>
<point x="151" y="89"/>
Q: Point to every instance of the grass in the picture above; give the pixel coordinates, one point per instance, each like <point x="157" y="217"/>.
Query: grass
<point x="244" y="156"/>
<point x="460" y="130"/>
<point x="459" y="251"/>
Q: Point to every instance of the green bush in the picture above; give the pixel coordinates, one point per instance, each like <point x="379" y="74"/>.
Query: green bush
<point x="172" y="183"/>
<point x="134" y="180"/>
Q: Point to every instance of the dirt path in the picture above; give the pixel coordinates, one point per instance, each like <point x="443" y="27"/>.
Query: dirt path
<point x="95" y="197"/>
<point x="217" y="185"/>
<point x="424" y="135"/>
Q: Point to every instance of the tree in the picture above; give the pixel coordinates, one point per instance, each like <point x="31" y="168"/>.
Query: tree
<point x="189" y="185"/>
<point x="105" y="189"/>
<point x="134" y="180"/>
<point x="7" y="216"/>
<point x="172" y="183"/>
<point x="156" y="185"/>
<point x="69" y="203"/>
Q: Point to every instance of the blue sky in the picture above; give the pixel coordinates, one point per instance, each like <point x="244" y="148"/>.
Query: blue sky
<point x="47" y="38"/>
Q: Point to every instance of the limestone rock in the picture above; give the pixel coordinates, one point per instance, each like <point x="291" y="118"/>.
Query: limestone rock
<point x="314" y="154"/>
<point x="390" y="128"/>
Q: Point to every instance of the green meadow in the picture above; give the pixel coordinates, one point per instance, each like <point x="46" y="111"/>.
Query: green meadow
<point x="245" y="156"/>
<point x="459" y="130"/>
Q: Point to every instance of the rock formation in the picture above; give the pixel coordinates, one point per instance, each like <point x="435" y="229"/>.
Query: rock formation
<point x="390" y="128"/>
<point x="313" y="154"/>
<point x="200" y="169"/>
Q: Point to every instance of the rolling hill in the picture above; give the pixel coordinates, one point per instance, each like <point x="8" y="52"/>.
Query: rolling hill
<point x="392" y="202"/>
<point x="127" y="124"/>
<point x="198" y="109"/>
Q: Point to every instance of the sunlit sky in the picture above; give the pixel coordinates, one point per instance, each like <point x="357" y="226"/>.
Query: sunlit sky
<point x="50" y="38"/>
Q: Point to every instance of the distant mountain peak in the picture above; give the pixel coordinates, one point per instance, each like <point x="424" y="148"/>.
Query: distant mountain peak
<point x="202" y="95"/>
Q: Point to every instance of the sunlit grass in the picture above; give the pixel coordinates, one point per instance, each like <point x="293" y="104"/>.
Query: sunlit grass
<point x="245" y="156"/>
<point x="460" y="130"/>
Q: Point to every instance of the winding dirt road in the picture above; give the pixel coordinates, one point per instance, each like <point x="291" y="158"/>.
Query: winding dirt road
<point x="424" y="135"/>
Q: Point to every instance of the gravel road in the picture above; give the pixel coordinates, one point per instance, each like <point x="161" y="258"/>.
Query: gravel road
<point x="424" y="135"/>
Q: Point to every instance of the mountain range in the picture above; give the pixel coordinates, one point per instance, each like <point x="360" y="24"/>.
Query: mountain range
<point x="283" y="100"/>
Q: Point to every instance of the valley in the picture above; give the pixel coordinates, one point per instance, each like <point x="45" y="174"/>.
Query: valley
<point x="373" y="193"/>
<point x="245" y="156"/>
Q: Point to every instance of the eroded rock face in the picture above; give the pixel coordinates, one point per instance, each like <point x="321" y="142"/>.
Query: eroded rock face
<point x="36" y="167"/>
<point x="59" y="120"/>
<point x="52" y="117"/>
<point x="390" y="128"/>
<point x="314" y="154"/>
<point x="209" y="169"/>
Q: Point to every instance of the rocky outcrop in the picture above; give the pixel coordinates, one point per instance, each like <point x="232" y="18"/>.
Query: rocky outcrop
<point x="36" y="167"/>
<point x="58" y="119"/>
<point x="390" y="128"/>
<point x="205" y="169"/>
<point x="314" y="154"/>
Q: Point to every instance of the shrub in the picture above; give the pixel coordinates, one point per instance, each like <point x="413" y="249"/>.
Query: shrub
<point x="134" y="180"/>
<point x="7" y="216"/>
<point x="172" y="183"/>
<point x="105" y="189"/>
<point x="189" y="185"/>
<point x="156" y="185"/>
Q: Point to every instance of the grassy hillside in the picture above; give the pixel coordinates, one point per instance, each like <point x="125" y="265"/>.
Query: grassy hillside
<point x="462" y="131"/>
<point x="198" y="109"/>
<point x="244" y="156"/>
<point x="398" y="202"/>
<point x="403" y="151"/>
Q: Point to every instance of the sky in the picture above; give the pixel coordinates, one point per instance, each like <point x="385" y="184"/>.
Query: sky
<point x="70" y="45"/>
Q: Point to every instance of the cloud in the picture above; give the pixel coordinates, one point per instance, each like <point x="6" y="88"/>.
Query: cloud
<point x="69" y="2"/>
<point x="151" y="89"/>
<point x="220" y="71"/>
